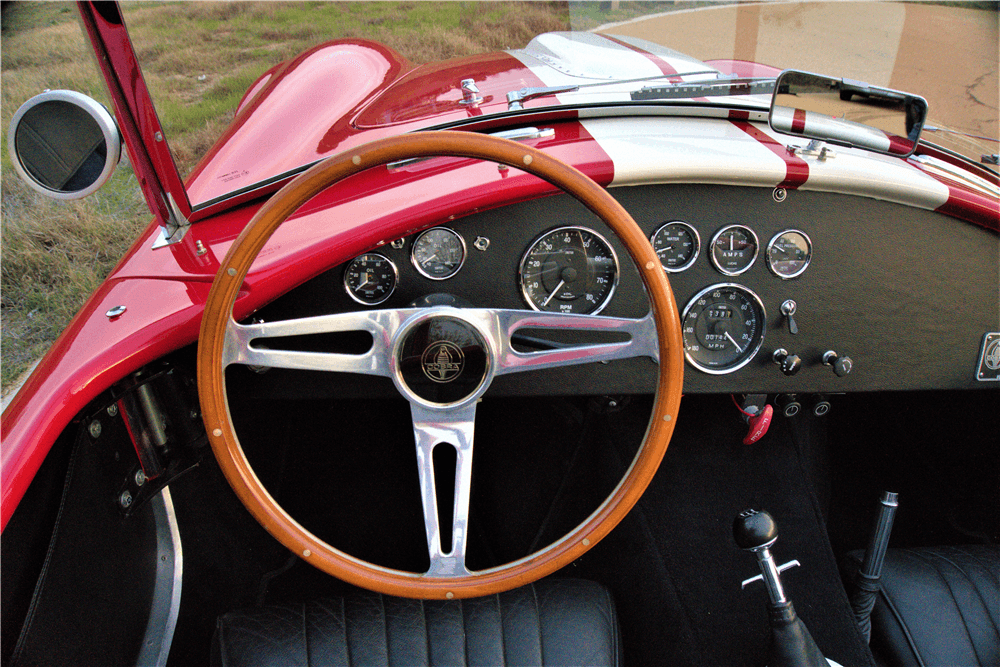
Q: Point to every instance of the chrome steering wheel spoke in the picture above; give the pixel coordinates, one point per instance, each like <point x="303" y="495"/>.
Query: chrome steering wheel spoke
<point x="432" y="428"/>
<point x="381" y="324"/>
<point x="641" y="341"/>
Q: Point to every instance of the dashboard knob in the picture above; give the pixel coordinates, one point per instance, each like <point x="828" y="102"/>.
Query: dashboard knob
<point x="790" y="364"/>
<point x="754" y="529"/>
<point x="842" y="365"/>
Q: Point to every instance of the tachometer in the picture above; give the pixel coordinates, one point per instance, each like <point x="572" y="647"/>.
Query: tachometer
<point x="370" y="278"/>
<point x="569" y="270"/>
<point x="723" y="328"/>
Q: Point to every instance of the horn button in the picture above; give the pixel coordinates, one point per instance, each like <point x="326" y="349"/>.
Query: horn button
<point x="443" y="360"/>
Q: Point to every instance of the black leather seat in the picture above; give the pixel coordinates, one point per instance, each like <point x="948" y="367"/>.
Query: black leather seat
<point x="551" y="622"/>
<point x="938" y="606"/>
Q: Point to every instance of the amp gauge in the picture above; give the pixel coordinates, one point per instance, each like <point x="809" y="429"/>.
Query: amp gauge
<point x="734" y="249"/>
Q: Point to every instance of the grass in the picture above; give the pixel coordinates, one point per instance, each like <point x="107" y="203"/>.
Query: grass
<point x="198" y="59"/>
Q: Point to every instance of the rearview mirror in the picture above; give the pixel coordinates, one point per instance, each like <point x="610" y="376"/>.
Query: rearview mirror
<point x="64" y="144"/>
<point x="847" y="113"/>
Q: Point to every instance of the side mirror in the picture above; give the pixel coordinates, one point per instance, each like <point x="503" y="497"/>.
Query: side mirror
<point x="64" y="144"/>
<point x="847" y="113"/>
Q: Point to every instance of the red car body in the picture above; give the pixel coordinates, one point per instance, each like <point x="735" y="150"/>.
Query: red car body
<point x="344" y="94"/>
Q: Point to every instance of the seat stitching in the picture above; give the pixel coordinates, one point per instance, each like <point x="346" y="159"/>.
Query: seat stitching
<point x="902" y="624"/>
<point x="503" y="642"/>
<point x="385" y="628"/>
<point x="465" y="634"/>
<point x="989" y="575"/>
<point x="538" y="625"/>
<point x="305" y="633"/>
<point x="951" y="591"/>
<point x="347" y="642"/>
<point x="427" y="633"/>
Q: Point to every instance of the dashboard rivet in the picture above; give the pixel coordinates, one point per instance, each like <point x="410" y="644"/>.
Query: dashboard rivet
<point x="231" y="272"/>
<point x="217" y="432"/>
<point x="356" y="159"/>
<point x="527" y="159"/>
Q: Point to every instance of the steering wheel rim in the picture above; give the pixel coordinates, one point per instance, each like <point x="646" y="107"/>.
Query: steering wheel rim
<point x="216" y="336"/>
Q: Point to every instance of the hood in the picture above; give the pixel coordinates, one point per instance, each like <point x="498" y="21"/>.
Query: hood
<point x="343" y="94"/>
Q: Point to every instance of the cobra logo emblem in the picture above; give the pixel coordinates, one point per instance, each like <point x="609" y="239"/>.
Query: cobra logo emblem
<point x="992" y="355"/>
<point x="442" y="361"/>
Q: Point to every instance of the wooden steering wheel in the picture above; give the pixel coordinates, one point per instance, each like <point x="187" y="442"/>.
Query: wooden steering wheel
<point x="407" y="345"/>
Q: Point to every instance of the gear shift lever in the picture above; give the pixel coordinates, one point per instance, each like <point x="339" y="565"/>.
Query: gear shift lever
<point x="791" y="643"/>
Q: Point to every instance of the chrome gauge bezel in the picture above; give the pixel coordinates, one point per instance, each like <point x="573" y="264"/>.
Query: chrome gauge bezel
<point x="350" y="291"/>
<point x="715" y="262"/>
<point x="808" y="260"/>
<point x="416" y="244"/>
<point x="527" y="253"/>
<point x="694" y="236"/>
<point x="746" y="356"/>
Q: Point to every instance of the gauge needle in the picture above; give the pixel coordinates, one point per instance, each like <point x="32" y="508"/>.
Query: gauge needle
<point x="363" y="282"/>
<point x="558" y="287"/>
<point x="733" y="341"/>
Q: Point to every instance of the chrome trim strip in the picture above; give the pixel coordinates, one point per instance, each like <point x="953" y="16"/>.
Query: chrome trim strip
<point x="167" y="591"/>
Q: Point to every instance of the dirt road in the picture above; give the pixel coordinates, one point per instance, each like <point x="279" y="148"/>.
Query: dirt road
<point x="947" y="54"/>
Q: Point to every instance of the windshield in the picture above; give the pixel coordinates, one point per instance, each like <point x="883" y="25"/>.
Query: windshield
<point x="200" y="58"/>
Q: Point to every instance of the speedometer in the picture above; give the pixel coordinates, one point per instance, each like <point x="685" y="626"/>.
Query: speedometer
<point x="723" y="328"/>
<point x="569" y="270"/>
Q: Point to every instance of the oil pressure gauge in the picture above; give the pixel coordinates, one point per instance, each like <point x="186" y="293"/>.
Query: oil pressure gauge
<point x="722" y="328"/>
<point x="370" y="279"/>
<point x="789" y="253"/>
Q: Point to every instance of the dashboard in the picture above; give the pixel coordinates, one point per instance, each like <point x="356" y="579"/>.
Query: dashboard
<point x="778" y="291"/>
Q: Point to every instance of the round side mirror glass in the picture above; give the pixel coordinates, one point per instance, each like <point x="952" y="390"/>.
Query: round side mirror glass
<point x="64" y="144"/>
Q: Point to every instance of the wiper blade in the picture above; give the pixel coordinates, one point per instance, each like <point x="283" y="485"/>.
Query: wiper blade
<point x="725" y="87"/>
<point x="516" y="98"/>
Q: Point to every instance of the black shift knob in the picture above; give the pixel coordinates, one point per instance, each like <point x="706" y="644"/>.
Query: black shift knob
<point x="753" y="529"/>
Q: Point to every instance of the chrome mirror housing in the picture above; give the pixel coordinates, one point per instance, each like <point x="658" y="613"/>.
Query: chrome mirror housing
<point x="64" y="144"/>
<point x="847" y="113"/>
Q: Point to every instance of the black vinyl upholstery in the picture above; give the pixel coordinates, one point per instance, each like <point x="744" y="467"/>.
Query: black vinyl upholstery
<point x="551" y="622"/>
<point x="939" y="606"/>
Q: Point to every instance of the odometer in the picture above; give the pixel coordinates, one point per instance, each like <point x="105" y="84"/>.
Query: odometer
<point x="723" y="328"/>
<point x="569" y="270"/>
